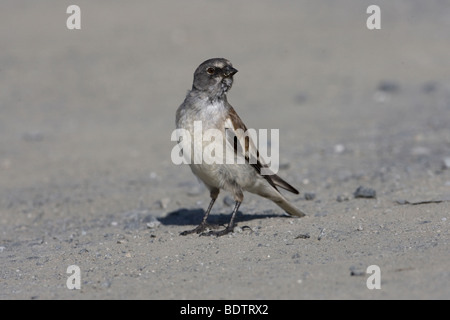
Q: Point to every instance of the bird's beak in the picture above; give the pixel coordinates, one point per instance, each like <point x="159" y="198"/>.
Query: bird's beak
<point x="229" y="71"/>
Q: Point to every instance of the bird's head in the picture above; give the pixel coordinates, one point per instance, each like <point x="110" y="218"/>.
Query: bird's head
<point x="214" y="77"/>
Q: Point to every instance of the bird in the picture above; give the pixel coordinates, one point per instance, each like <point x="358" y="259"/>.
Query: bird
<point x="207" y="103"/>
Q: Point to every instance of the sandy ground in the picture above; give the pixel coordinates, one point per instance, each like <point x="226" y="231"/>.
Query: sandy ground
<point x="86" y="177"/>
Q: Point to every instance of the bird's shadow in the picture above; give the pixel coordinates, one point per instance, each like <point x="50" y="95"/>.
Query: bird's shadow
<point x="184" y="217"/>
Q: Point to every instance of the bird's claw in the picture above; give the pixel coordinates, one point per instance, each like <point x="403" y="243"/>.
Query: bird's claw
<point x="199" y="229"/>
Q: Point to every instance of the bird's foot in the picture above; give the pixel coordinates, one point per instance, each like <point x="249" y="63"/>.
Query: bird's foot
<point x="219" y="233"/>
<point x="199" y="229"/>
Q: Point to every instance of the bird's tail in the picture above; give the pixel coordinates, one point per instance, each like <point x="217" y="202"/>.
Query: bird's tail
<point x="288" y="207"/>
<point x="269" y="192"/>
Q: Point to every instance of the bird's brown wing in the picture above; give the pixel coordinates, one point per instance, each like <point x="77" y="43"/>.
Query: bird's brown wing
<point x="243" y="145"/>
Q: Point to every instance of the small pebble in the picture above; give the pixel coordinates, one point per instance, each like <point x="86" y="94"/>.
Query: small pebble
<point x="153" y="225"/>
<point x="321" y="214"/>
<point x="363" y="192"/>
<point x="388" y="86"/>
<point x="321" y="234"/>
<point x="2" y="249"/>
<point x="237" y="229"/>
<point x="343" y="197"/>
<point x="310" y="196"/>
<point x="152" y="222"/>
<point x="356" y="272"/>
<point x="339" y="148"/>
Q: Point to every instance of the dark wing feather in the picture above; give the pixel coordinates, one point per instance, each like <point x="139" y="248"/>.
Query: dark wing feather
<point x="272" y="179"/>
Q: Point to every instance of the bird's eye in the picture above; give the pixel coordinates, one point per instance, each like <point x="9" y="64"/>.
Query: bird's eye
<point x="210" y="70"/>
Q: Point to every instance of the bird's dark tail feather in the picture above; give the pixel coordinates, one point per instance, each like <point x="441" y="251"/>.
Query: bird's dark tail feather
<point x="283" y="184"/>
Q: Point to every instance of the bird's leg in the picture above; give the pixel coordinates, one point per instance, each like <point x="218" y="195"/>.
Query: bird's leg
<point x="230" y="226"/>
<point x="203" y="225"/>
